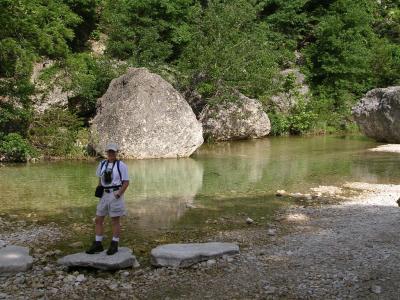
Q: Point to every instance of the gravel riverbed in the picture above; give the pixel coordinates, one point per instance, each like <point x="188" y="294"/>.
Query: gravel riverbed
<point x="311" y="251"/>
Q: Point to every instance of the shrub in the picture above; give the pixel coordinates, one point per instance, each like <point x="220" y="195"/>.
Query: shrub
<point x="14" y="147"/>
<point x="54" y="132"/>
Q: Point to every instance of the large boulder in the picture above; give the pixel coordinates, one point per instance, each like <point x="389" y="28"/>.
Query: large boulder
<point x="120" y="260"/>
<point x="146" y="117"/>
<point x="378" y="114"/>
<point x="14" y="259"/>
<point x="238" y="120"/>
<point x="184" y="255"/>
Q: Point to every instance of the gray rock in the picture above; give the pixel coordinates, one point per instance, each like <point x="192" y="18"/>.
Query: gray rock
<point x="184" y="255"/>
<point x="14" y="259"/>
<point x="242" y="119"/>
<point x="376" y="289"/>
<point x="285" y="101"/>
<point x="378" y="114"/>
<point x="120" y="260"/>
<point x="249" y="221"/>
<point x="2" y="243"/>
<point x="146" y="117"/>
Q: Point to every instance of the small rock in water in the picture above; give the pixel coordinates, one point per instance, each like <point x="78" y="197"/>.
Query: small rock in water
<point x="249" y="221"/>
<point x="188" y="205"/>
<point x="281" y="193"/>
<point x="297" y="195"/>
<point x="78" y="244"/>
<point x="376" y="289"/>
<point x="398" y="202"/>
<point x="271" y="232"/>
<point x="308" y="197"/>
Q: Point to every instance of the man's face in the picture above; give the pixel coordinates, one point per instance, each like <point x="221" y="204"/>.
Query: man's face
<point x="111" y="155"/>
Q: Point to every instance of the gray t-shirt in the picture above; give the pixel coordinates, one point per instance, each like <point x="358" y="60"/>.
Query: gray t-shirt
<point x="115" y="175"/>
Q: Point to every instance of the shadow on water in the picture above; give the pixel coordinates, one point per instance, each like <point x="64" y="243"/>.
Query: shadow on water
<point x="226" y="182"/>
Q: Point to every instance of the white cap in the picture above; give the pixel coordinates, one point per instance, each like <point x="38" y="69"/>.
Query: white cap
<point x="112" y="146"/>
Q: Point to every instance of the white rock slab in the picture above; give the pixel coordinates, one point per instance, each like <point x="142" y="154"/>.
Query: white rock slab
<point x="394" y="148"/>
<point x="120" y="260"/>
<point x="14" y="259"/>
<point x="184" y="255"/>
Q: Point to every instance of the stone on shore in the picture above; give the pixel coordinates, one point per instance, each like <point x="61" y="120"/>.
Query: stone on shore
<point x="185" y="255"/>
<point x="14" y="259"/>
<point x="393" y="148"/>
<point x="146" y="117"/>
<point x="378" y="114"/>
<point x="120" y="260"/>
<point x="239" y="120"/>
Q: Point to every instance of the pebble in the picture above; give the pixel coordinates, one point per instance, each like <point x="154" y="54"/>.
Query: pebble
<point x="80" y="278"/>
<point x="249" y="221"/>
<point x="78" y="244"/>
<point x="125" y="274"/>
<point x="211" y="262"/>
<point x="376" y="289"/>
<point x="281" y="193"/>
<point x="271" y="231"/>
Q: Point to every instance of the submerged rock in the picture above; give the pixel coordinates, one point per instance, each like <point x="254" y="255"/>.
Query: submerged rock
<point x="378" y="114"/>
<point x="14" y="259"/>
<point x="146" y="117"/>
<point x="184" y="255"/>
<point x="120" y="260"/>
<point x="239" y="120"/>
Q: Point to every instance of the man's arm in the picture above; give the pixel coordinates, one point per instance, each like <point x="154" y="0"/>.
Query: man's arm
<point x="122" y="190"/>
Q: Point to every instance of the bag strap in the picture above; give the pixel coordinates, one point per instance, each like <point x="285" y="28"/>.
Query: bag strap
<point x="102" y="165"/>
<point x="119" y="171"/>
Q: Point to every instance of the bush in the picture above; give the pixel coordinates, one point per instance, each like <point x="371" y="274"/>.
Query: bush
<point x="89" y="80"/>
<point x="279" y="124"/>
<point x="14" y="147"/>
<point x="54" y="132"/>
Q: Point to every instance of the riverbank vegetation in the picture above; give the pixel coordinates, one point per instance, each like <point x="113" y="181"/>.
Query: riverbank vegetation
<point x="212" y="48"/>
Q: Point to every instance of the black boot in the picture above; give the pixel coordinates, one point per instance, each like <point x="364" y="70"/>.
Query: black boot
<point x="113" y="248"/>
<point x="95" y="248"/>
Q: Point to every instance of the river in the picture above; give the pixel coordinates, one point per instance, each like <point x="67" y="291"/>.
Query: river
<point x="226" y="182"/>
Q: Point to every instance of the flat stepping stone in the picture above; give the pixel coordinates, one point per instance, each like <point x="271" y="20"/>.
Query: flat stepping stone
<point x="120" y="260"/>
<point x="184" y="255"/>
<point x="14" y="259"/>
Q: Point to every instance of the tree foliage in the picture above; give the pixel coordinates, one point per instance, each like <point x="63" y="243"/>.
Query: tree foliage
<point x="214" y="48"/>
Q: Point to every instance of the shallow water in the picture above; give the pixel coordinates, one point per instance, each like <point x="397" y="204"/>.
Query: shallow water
<point x="230" y="180"/>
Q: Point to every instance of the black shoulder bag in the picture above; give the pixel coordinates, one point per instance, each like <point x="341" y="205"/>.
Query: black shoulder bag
<point x="100" y="189"/>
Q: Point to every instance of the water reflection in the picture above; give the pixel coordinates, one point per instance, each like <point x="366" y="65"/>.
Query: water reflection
<point x="161" y="190"/>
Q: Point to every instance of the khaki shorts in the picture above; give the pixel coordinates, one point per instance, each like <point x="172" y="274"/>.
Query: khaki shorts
<point x="110" y="205"/>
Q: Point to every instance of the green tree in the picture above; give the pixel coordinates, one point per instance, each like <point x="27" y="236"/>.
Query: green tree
<point x="54" y="132"/>
<point x="148" y="31"/>
<point x="229" y="51"/>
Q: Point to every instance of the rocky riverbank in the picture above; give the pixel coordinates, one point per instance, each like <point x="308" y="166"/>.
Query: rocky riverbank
<point x="348" y="249"/>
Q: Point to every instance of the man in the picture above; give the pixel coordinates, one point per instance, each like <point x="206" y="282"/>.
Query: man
<point x="113" y="176"/>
